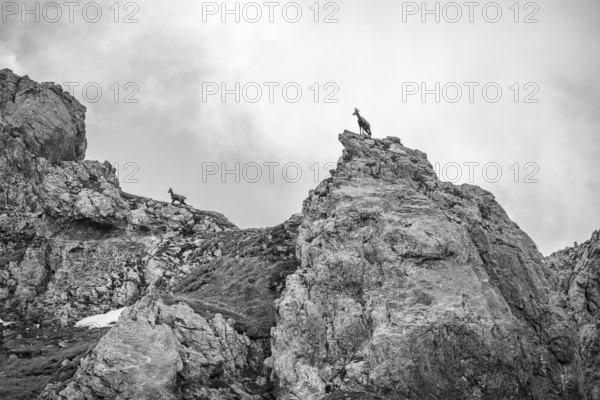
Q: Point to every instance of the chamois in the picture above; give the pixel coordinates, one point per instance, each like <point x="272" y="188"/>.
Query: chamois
<point x="177" y="197"/>
<point x="362" y="123"/>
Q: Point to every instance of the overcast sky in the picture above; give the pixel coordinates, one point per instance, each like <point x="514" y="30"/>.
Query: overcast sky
<point x="541" y="132"/>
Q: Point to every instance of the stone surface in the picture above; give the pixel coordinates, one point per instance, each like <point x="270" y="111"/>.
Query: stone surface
<point x="411" y="288"/>
<point x="159" y="351"/>
<point x="389" y="285"/>
<point x="232" y="276"/>
<point x="49" y="120"/>
<point x="578" y="277"/>
<point x="72" y="244"/>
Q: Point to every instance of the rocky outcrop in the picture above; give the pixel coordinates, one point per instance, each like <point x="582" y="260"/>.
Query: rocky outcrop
<point x="47" y="119"/>
<point x="72" y="244"/>
<point x="229" y="281"/>
<point x="411" y="288"/>
<point x="85" y="248"/>
<point x="159" y="351"/>
<point x="577" y="271"/>
<point x="389" y="285"/>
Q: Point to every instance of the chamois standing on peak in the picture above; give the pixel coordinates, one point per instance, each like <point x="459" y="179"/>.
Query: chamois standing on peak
<point x="363" y="124"/>
<point x="177" y="197"/>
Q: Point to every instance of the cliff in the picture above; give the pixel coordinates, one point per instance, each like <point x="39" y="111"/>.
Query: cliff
<point x="577" y="277"/>
<point x="415" y="288"/>
<point x="72" y="244"/>
<point x="389" y="285"/>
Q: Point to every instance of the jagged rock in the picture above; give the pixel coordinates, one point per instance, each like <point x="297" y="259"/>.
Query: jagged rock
<point x="233" y="276"/>
<point x="389" y="285"/>
<point x="578" y="277"/>
<point x="163" y="351"/>
<point x="49" y="120"/>
<point x="411" y="288"/>
<point x="72" y="244"/>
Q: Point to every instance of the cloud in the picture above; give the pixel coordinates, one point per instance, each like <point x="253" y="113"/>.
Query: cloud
<point x="368" y="55"/>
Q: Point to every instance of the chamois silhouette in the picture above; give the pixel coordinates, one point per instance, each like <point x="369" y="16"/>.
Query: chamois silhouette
<point x="363" y="124"/>
<point x="177" y="197"/>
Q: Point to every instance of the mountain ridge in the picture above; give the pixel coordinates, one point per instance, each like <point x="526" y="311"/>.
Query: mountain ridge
<point x="390" y="284"/>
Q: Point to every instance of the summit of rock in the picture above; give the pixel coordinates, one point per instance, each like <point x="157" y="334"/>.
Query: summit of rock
<point x="410" y="287"/>
<point x="49" y="120"/>
<point x="577" y="277"/>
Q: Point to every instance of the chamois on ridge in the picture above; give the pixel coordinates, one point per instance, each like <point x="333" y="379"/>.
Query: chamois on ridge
<point x="177" y="197"/>
<point x="363" y="125"/>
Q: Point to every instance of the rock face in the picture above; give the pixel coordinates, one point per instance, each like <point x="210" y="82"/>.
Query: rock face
<point x="411" y="288"/>
<point x="49" y="120"/>
<point x="389" y="285"/>
<point x="204" y="326"/>
<point x="159" y="351"/>
<point x="72" y="244"/>
<point x="578" y="277"/>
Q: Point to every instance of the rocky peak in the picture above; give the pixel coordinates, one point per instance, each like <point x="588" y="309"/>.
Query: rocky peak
<point x="414" y="288"/>
<point x="72" y="245"/>
<point x="577" y="276"/>
<point x="48" y="120"/>
<point x="385" y="159"/>
<point x="390" y="285"/>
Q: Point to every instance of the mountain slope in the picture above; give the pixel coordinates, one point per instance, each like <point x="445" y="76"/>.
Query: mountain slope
<point x="389" y="285"/>
<point x="414" y="288"/>
<point x="72" y="244"/>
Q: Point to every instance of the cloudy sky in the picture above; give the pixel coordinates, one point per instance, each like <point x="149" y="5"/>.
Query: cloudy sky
<point x="517" y="85"/>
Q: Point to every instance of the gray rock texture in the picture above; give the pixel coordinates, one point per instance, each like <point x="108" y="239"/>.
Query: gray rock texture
<point x="389" y="285"/>
<point x="72" y="244"/>
<point x="578" y="278"/>
<point x="159" y="351"/>
<point x="49" y="120"/>
<point x="411" y="288"/>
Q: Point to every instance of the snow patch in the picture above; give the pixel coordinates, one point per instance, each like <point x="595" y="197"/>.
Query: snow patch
<point x="101" y="320"/>
<point x="6" y="323"/>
